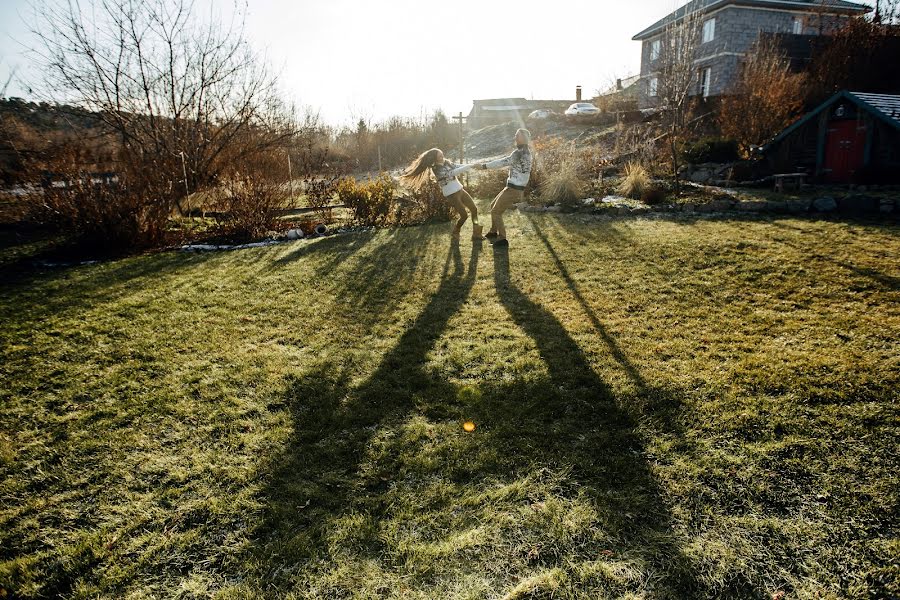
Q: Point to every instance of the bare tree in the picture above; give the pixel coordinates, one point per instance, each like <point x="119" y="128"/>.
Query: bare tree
<point x="9" y="80"/>
<point x="677" y="77"/>
<point x="183" y="97"/>
<point x="886" y="12"/>
<point x="765" y="98"/>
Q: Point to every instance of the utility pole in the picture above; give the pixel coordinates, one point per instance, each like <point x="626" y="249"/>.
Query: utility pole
<point x="462" y="138"/>
<point x="462" y="142"/>
<point x="290" y="179"/>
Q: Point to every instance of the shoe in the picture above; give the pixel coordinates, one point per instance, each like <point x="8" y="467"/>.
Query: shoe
<point x="491" y="235"/>
<point x="504" y="243"/>
<point x="476" y="232"/>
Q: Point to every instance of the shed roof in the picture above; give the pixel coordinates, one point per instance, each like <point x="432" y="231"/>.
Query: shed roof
<point x="704" y="6"/>
<point x="886" y="104"/>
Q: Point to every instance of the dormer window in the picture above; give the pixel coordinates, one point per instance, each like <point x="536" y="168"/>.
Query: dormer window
<point x="709" y="30"/>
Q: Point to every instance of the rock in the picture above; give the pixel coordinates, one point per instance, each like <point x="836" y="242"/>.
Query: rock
<point x="294" y="234"/>
<point x="689" y="207"/>
<point x="886" y="206"/>
<point x="700" y="176"/>
<point x="720" y="205"/>
<point x="797" y="206"/>
<point x="554" y="209"/>
<point x="751" y="206"/>
<point x="825" y="204"/>
<point x="588" y="202"/>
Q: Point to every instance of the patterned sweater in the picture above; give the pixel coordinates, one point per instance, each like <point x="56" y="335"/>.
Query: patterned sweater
<point x="519" y="163"/>
<point x="446" y="176"/>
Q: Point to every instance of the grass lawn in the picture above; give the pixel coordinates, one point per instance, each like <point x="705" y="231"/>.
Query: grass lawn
<point x="664" y="409"/>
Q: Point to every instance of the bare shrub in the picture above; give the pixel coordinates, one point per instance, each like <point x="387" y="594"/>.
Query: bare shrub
<point x="561" y="171"/>
<point x="564" y="184"/>
<point x="98" y="215"/>
<point x="854" y="58"/>
<point x="653" y="195"/>
<point x="764" y="99"/>
<point x="369" y="202"/>
<point x="427" y="203"/>
<point x="635" y="182"/>
<point x="250" y="203"/>
<point x="489" y="183"/>
<point x="320" y="193"/>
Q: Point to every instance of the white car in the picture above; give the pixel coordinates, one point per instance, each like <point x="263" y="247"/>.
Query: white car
<point x="541" y="113"/>
<point x="582" y="108"/>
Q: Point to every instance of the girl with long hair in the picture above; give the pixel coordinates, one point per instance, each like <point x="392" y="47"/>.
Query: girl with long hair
<point x="519" y="164"/>
<point x="445" y="172"/>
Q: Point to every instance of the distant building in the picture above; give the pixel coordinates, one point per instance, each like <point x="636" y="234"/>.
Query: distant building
<point x="729" y="29"/>
<point x="503" y="110"/>
<point x="623" y="95"/>
<point x="852" y="137"/>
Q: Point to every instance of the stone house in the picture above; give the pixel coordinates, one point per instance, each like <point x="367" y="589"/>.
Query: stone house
<point x="727" y="31"/>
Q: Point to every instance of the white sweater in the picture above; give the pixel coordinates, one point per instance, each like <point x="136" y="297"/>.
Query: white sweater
<point x="446" y="176"/>
<point x="519" y="163"/>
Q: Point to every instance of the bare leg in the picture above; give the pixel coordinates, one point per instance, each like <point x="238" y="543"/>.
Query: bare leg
<point x="493" y="228"/>
<point x="504" y="200"/>
<point x="460" y="209"/>
<point x="470" y="205"/>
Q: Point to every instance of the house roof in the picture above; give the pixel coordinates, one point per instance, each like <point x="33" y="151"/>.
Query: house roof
<point x="884" y="107"/>
<point x="500" y="102"/>
<point x="626" y="83"/>
<point x="704" y="6"/>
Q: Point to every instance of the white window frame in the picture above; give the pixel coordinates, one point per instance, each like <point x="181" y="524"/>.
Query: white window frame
<point x="797" y="27"/>
<point x="653" y="87"/>
<point x="655" y="49"/>
<point x="705" y="81"/>
<point x="709" y="30"/>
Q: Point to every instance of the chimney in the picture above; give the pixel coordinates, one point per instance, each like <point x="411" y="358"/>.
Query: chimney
<point x="618" y="85"/>
<point x="577" y="93"/>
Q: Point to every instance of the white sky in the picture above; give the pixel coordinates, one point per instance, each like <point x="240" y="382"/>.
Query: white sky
<point x="374" y="59"/>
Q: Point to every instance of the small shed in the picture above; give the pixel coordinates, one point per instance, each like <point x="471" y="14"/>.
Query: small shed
<point x="853" y="137"/>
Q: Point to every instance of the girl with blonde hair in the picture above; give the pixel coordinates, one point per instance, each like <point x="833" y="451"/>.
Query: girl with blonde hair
<point x="519" y="163"/>
<point x="445" y="172"/>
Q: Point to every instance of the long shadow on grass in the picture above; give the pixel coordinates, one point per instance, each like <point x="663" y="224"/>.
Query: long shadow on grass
<point x="374" y="479"/>
<point x="317" y="479"/>
<point x="596" y="439"/>
<point x="337" y="248"/>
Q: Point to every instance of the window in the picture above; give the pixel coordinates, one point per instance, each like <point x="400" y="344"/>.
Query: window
<point x="709" y="30"/>
<point x="705" y="79"/>
<point x="798" y="25"/>
<point x="655" y="47"/>
<point x="653" y="87"/>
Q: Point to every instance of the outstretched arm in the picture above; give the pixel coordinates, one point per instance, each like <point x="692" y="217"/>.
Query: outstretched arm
<point x="461" y="169"/>
<point x="500" y="162"/>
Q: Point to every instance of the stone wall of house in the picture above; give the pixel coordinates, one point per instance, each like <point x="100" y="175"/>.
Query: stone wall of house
<point x="737" y="29"/>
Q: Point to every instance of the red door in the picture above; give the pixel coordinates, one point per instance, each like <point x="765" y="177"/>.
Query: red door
<point x="845" y="148"/>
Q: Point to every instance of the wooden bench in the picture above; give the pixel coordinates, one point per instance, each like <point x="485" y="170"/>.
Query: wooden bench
<point x="785" y="181"/>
